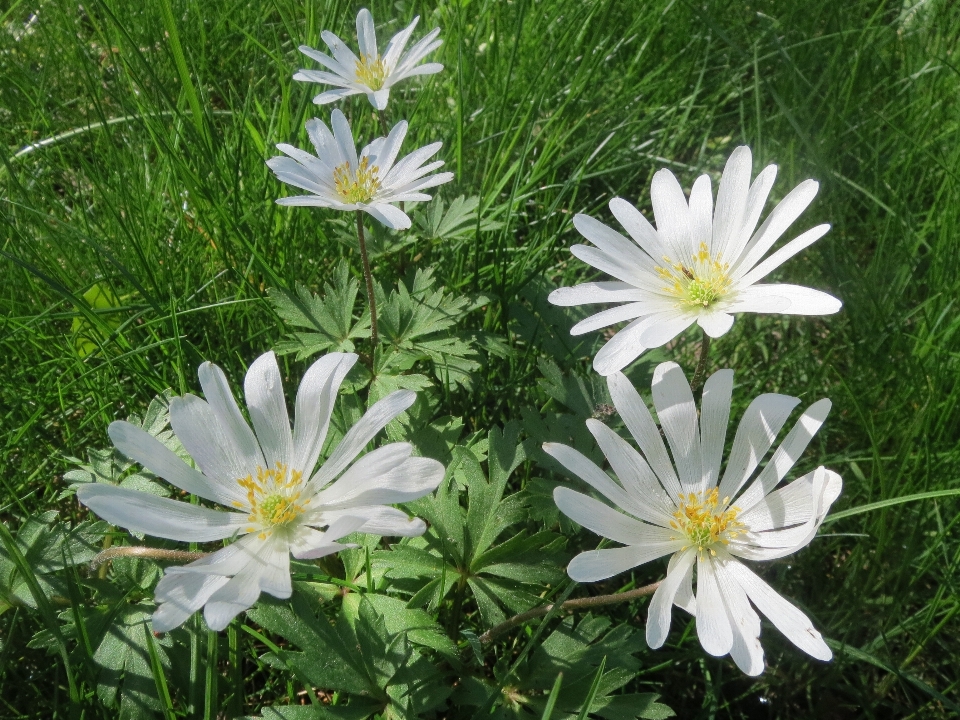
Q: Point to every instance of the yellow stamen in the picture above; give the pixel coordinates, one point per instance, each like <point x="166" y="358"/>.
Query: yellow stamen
<point x="371" y="71"/>
<point x="705" y="521"/>
<point x="359" y="186"/>
<point x="273" y="498"/>
<point x="699" y="283"/>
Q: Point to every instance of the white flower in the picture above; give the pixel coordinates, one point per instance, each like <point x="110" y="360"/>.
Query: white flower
<point x="338" y="179"/>
<point x="699" y="517"/>
<point x="277" y="503"/>
<point x="699" y="266"/>
<point x="370" y="74"/>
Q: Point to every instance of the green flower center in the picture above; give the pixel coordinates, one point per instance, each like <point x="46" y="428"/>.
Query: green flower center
<point x="700" y="283"/>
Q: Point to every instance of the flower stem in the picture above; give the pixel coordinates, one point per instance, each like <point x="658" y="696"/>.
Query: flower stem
<point x="383" y="123"/>
<point x="701" y="370"/>
<point x="576" y="604"/>
<point x="368" y="276"/>
<point x="145" y="552"/>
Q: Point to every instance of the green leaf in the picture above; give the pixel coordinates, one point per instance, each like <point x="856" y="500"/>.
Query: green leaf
<point x="595" y="661"/>
<point x="87" y="337"/>
<point x="464" y="546"/>
<point x="330" y="322"/>
<point x="460" y="219"/>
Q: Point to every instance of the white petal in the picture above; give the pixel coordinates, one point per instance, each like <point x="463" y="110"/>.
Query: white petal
<point x="775" y="544"/>
<point x="732" y="200"/>
<point x="598" y="292"/>
<point x="585" y="469"/>
<point x="615" y="245"/>
<point x="381" y="520"/>
<point x="759" y="426"/>
<point x="216" y="391"/>
<point x="388" y="215"/>
<point x="623" y="348"/>
<point x="386" y="154"/>
<point x="145" y="449"/>
<point x="629" y="273"/>
<point x="756" y="199"/>
<point x="212" y="448"/>
<point x="799" y="243"/>
<point x="184" y="594"/>
<point x="327" y="61"/>
<point x="716" y="324"/>
<point x="666" y="327"/>
<point x="406" y="170"/>
<point x="366" y="34"/>
<point x="713" y="625"/>
<point x="661" y="604"/>
<point x="776" y="224"/>
<point x="425" y="69"/>
<point x="341" y="131"/>
<point x="746" y="652"/>
<point x="672" y="214"/>
<point x="331" y="96"/>
<point x="379" y="98"/>
<point x="142" y="512"/>
<point x="263" y="389"/>
<point x="791" y="504"/>
<point x="638" y="227"/>
<point x="368" y="483"/>
<point x="396" y="45"/>
<point x="785" y="300"/>
<point x="786" y="455"/>
<point x="341" y="52"/>
<point x="607" y="522"/>
<point x="356" y="439"/>
<point x="701" y="212"/>
<point x="684" y="599"/>
<point x="311" y="544"/>
<point x="315" y="400"/>
<point x="636" y="416"/>
<point x="596" y="565"/>
<point x="786" y="618"/>
<point x="714" y="415"/>
<point x="634" y="474"/>
<point x="267" y="570"/>
<point x="678" y="417"/>
<point x="611" y="316"/>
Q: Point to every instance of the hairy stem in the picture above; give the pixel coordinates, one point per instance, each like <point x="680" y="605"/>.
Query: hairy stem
<point x="701" y="370"/>
<point x="576" y="604"/>
<point x="145" y="552"/>
<point x="368" y="276"/>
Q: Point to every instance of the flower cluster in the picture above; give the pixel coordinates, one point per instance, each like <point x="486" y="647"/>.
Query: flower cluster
<point x="670" y="495"/>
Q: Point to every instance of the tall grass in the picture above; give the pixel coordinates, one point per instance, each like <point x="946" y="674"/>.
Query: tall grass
<point x="135" y="136"/>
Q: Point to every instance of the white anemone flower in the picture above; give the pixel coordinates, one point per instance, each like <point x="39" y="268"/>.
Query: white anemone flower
<point x="265" y="477"/>
<point x="701" y="265"/>
<point x="702" y="519"/>
<point x="371" y="74"/>
<point x="338" y="179"/>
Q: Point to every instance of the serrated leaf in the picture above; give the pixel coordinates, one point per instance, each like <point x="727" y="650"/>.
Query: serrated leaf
<point x="330" y="322"/>
<point x="460" y="219"/>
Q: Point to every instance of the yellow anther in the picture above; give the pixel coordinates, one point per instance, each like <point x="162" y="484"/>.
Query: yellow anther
<point x="359" y="186"/>
<point x="273" y="498"/>
<point x="371" y="71"/>
<point x="699" y="282"/>
<point x="704" y="520"/>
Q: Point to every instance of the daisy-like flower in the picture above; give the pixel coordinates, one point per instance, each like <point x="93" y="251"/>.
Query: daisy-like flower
<point x="702" y="519"/>
<point x="265" y="477"/>
<point x="700" y="265"/>
<point x="371" y="74"/>
<point x="338" y="179"/>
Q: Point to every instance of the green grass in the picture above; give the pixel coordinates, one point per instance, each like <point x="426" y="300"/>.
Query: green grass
<point x="160" y="193"/>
